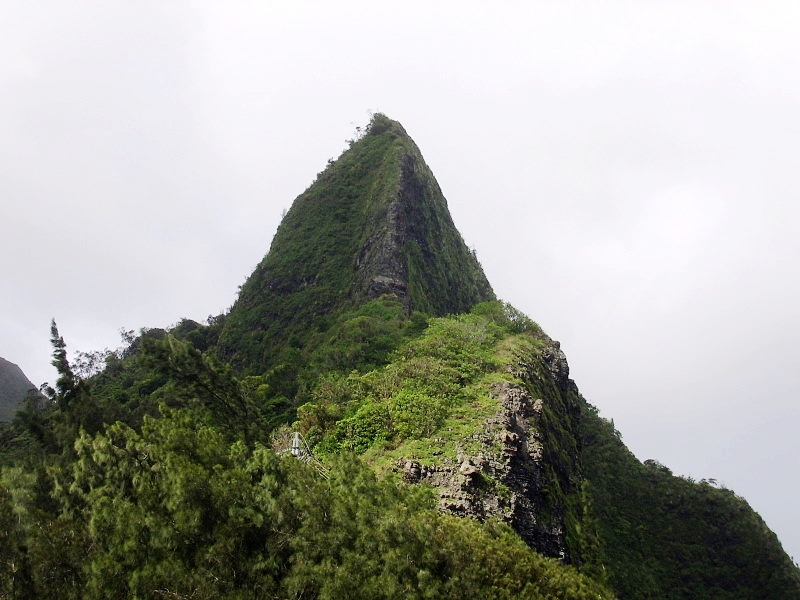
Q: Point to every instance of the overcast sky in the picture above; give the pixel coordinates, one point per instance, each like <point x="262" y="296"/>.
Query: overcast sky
<point x="626" y="171"/>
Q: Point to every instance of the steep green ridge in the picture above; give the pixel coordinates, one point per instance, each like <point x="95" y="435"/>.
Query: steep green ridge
<point x="480" y="407"/>
<point x="669" y="537"/>
<point x="439" y="405"/>
<point x="14" y="387"/>
<point x="374" y="222"/>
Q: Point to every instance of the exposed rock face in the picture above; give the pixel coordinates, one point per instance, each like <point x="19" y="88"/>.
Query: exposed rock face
<point x="381" y="265"/>
<point x="556" y="362"/>
<point x="509" y="477"/>
<point x="415" y="251"/>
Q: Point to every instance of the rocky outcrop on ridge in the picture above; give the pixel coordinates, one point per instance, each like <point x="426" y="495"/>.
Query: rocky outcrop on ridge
<point x="509" y="478"/>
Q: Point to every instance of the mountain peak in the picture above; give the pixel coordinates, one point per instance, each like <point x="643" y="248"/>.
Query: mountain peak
<point x="14" y="387"/>
<point x="379" y="123"/>
<point x="374" y="222"/>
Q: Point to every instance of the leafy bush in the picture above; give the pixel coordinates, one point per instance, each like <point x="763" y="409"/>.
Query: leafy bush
<point x="177" y="510"/>
<point x="412" y="395"/>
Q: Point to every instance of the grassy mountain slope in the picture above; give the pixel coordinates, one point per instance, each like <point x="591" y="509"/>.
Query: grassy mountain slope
<point x="14" y="387"/>
<point x="669" y="537"/>
<point x="374" y="222"/>
<point x="191" y="503"/>
<point x="472" y="408"/>
<point x="480" y="408"/>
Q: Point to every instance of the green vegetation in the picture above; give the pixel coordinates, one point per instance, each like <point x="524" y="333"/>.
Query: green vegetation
<point x="186" y="499"/>
<point x="374" y="215"/>
<point x="161" y="469"/>
<point x="669" y="537"/>
<point x="412" y="396"/>
<point x="190" y="502"/>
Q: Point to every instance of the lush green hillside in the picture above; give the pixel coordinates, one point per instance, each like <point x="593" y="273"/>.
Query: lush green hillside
<point x="471" y="415"/>
<point x="449" y="411"/>
<point x="475" y="389"/>
<point x="669" y="537"/>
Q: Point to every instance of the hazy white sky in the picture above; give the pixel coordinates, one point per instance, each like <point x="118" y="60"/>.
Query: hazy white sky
<point x="626" y="172"/>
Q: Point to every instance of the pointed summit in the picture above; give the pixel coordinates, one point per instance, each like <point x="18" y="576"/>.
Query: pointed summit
<point x="374" y="222"/>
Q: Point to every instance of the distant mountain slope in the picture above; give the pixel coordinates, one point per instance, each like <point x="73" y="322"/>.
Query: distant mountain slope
<point x="480" y="408"/>
<point x="663" y="536"/>
<point x="374" y="222"/>
<point x="13" y="388"/>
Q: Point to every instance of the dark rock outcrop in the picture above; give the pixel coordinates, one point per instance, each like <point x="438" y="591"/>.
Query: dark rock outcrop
<point x="510" y="477"/>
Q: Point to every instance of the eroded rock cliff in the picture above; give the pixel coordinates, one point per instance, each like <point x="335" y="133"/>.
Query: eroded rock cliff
<point x="510" y="477"/>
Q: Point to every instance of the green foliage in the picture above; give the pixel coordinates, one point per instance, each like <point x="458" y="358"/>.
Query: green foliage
<point x="668" y="537"/>
<point x="12" y="569"/>
<point x="512" y="319"/>
<point x="374" y="212"/>
<point x="55" y="420"/>
<point x="179" y="510"/>
<point x="158" y="507"/>
<point x="198" y="380"/>
<point x="360" y="340"/>
<point x="412" y="396"/>
<point x="190" y="504"/>
<point x="375" y="540"/>
<point x="67" y="382"/>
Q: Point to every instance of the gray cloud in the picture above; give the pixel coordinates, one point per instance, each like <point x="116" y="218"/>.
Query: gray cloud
<point x="624" y="170"/>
